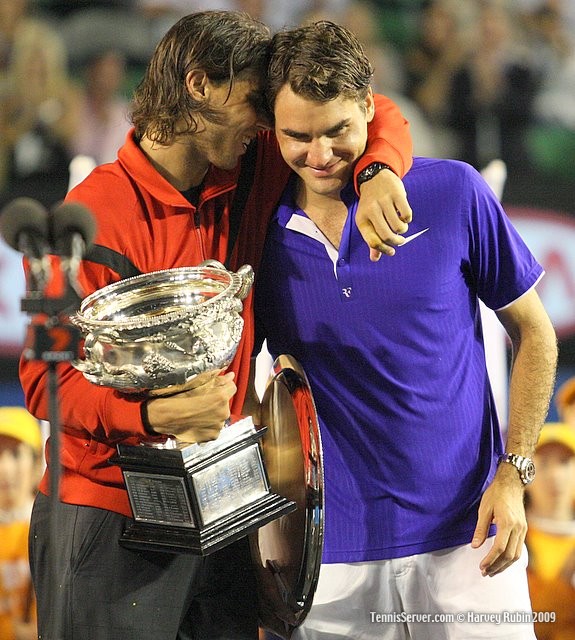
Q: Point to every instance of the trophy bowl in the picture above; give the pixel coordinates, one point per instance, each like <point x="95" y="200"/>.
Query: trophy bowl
<point x="161" y="329"/>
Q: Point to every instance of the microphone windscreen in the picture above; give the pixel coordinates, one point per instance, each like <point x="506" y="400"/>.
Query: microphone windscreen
<point x="70" y="218"/>
<point x="23" y="215"/>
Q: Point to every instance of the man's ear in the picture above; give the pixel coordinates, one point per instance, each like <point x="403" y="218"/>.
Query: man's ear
<point x="369" y="105"/>
<point x="197" y="84"/>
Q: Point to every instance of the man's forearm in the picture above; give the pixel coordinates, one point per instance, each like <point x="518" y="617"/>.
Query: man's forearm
<point x="531" y="386"/>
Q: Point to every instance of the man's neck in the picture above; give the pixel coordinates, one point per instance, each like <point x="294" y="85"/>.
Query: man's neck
<point x="176" y="162"/>
<point x="328" y="212"/>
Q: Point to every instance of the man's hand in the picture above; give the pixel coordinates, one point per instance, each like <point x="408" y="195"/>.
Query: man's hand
<point x="195" y="414"/>
<point x="501" y="504"/>
<point x="383" y="194"/>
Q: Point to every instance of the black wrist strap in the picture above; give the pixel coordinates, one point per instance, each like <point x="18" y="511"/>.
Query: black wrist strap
<point x="370" y="171"/>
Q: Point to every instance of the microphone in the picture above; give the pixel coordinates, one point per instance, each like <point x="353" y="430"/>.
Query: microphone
<point x="24" y="227"/>
<point x="73" y="231"/>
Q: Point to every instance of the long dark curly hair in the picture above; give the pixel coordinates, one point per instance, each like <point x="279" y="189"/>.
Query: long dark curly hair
<point x="221" y="43"/>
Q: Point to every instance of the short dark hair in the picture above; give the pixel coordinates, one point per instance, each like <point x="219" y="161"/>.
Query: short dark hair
<point x="224" y="44"/>
<point x="320" y="61"/>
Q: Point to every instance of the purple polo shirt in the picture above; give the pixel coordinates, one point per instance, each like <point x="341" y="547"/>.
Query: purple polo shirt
<point x="395" y="358"/>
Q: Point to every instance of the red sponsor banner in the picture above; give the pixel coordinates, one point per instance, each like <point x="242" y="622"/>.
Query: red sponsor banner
<point x="551" y="237"/>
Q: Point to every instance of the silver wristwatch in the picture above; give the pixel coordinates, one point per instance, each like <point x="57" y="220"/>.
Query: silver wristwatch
<point x="524" y="466"/>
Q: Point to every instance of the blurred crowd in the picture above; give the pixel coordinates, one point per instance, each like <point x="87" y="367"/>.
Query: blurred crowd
<point x="478" y="79"/>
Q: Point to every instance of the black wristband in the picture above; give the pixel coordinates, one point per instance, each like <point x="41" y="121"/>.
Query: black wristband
<point x="370" y="171"/>
<point x="145" y="421"/>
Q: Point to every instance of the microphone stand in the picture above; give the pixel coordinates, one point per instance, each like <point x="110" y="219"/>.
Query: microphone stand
<point x="52" y="341"/>
<point x="51" y="338"/>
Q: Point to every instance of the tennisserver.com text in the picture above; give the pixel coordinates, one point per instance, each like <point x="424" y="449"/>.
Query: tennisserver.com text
<point x="499" y="617"/>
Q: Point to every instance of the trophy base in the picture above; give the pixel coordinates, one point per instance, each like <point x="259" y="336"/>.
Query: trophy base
<point x="155" y="537"/>
<point x="199" y="497"/>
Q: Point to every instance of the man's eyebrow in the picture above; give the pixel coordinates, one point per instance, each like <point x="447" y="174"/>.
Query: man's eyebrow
<point x="337" y="128"/>
<point x="328" y="132"/>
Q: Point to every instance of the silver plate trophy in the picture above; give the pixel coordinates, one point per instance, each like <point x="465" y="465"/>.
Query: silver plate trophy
<point x="157" y="333"/>
<point x="287" y="552"/>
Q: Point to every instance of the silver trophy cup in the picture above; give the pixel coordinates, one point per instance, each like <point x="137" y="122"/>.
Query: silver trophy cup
<point x="155" y="334"/>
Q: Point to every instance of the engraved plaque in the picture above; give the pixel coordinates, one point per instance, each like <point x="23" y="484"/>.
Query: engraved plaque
<point x="230" y="484"/>
<point x="161" y="499"/>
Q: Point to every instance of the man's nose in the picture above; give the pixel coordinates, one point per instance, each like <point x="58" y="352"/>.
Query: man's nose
<point x="319" y="152"/>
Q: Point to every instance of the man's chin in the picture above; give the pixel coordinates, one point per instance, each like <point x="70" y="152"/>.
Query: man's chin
<point x="324" y="186"/>
<point x="229" y="165"/>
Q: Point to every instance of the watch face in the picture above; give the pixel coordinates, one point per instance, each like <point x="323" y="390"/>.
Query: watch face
<point x="529" y="471"/>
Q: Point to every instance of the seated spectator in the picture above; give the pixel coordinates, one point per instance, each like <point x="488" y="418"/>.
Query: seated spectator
<point x="103" y="118"/>
<point x="431" y="63"/>
<point x="12" y="15"/>
<point x="565" y="401"/>
<point x="39" y="111"/>
<point x="491" y="95"/>
<point x="20" y="445"/>
<point x="552" y="138"/>
<point x="551" y="535"/>
<point x="434" y="57"/>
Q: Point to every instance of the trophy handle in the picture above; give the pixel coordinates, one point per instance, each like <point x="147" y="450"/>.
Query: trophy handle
<point x="216" y="264"/>
<point x="246" y="273"/>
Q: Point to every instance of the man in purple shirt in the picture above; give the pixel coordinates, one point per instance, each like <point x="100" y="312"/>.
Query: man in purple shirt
<point x="422" y="499"/>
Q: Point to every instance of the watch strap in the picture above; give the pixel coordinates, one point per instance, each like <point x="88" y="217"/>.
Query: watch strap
<point x="370" y="171"/>
<point x="524" y="466"/>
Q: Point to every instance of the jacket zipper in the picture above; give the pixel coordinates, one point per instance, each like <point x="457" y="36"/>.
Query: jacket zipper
<point x="198" y="229"/>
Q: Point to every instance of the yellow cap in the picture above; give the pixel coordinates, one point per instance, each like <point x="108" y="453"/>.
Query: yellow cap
<point x="17" y="423"/>
<point x="565" y="394"/>
<point x="557" y="432"/>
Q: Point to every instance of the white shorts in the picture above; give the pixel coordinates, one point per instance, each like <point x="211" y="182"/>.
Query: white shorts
<point x="439" y="595"/>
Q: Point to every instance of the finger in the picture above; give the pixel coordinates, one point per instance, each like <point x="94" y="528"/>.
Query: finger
<point x="376" y="245"/>
<point x="205" y="434"/>
<point x="502" y="562"/>
<point x="222" y="381"/>
<point x="505" y="551"/>
<point x="489" y="562"/>
<point x="382" y="242"/>
<point x="510" y="554"/>
<point x="403" y="211"/>
<point x="374" y="254"/>
<point x="480" y="533"/>
<point x="389" y="225"/>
